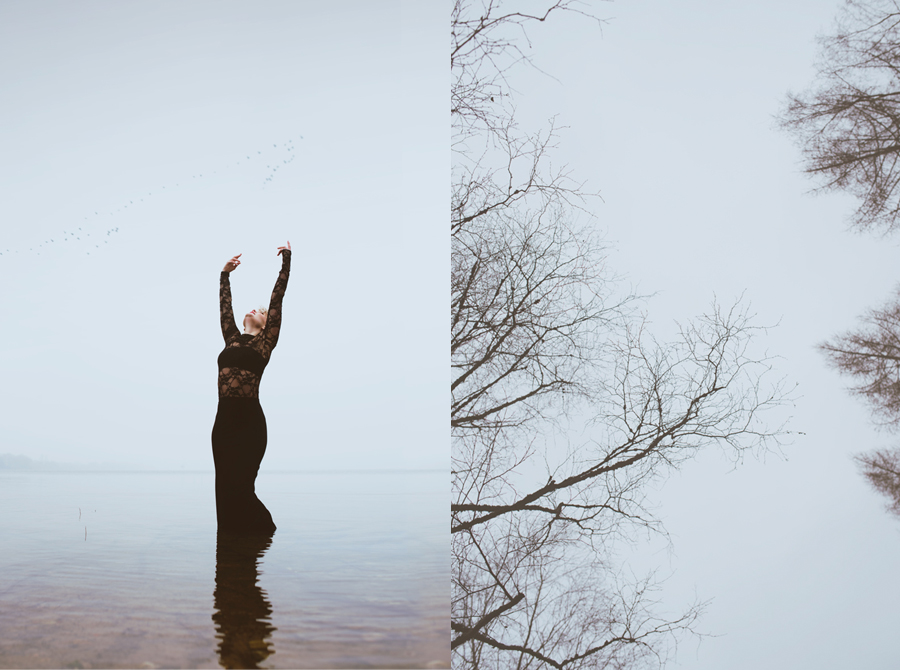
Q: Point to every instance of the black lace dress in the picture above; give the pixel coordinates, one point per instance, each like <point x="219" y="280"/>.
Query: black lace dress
<point x="239" y="433"/>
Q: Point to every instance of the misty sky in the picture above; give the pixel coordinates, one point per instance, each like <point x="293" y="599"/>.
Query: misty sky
<point x="670" y="112"/>
<point x="143" y="140"/>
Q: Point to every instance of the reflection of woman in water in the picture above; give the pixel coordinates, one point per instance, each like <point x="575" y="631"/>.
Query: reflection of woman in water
<point x="239" y="433"/>
<point x="243" y="613"/>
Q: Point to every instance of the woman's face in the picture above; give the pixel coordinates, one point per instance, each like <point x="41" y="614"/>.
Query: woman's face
<point x="254" y="319"/>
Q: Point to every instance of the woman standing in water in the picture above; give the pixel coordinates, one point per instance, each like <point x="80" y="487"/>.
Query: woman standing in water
<point x="239" y="433"/>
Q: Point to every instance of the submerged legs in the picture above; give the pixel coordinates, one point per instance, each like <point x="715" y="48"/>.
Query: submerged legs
<point x="239" y="444"/>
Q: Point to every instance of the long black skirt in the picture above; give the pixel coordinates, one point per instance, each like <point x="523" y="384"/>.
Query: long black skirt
<point x="239" y="444"/>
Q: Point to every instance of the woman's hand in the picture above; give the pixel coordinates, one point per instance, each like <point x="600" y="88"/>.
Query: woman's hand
<point x="232" y="264"/>
<point x="287" y="248"/>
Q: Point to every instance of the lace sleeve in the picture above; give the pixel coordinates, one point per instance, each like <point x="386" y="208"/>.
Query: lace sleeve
<point x="273" y="318"/>
<point x="229" y="328"/>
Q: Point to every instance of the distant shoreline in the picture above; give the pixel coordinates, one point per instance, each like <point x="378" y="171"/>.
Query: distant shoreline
<point x="20" y="463"/>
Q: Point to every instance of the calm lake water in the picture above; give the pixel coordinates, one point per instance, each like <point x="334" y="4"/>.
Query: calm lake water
<point x="123" y="569"/>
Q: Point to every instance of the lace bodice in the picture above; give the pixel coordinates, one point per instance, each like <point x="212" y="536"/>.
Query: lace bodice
<point x="244" y="357"/>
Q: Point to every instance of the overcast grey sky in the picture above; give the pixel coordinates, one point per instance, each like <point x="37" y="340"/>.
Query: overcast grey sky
<point x="110" y="112"/>
<point x="670" y="109"/>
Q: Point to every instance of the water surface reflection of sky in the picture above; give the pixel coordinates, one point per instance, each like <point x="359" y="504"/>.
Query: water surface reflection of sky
<point x="125" y="569"/>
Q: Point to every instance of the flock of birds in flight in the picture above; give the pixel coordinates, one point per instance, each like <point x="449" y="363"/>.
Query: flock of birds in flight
<point x="81" y="234"/>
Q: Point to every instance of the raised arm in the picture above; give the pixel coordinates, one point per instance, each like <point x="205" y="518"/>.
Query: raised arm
<point x="226" y="314"/>
<point x="273" y="317"/>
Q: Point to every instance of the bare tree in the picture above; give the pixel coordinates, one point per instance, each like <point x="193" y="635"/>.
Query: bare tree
<point x="563" y="407"/>
<point x="848" y="127"/>
<point x="848" y="123"/>
<point x="496" y="165"/>
<point x="881" y="468"/>
<point x="532" y="573"/>
<point x="871" y="355"/>
<point x="484" y="45"/>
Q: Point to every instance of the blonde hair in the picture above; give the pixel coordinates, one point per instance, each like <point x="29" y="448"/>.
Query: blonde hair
<point x="264" y="311"/>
